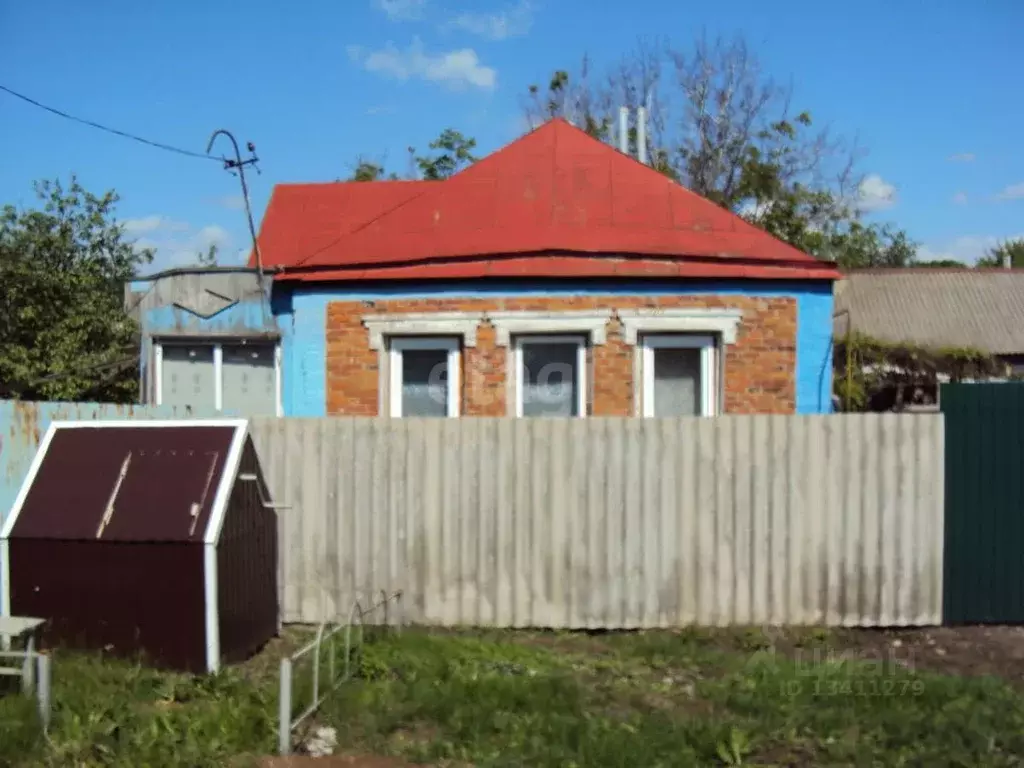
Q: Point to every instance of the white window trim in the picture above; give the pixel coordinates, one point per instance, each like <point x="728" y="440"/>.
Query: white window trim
<point x="218" y="367"/>
<point x="708" y="368"/>
<point x="581" y="367"/>
<point x="723" y="322"/>
<point x="463" y="324"/>
<point x="395" y="349"/>
<point x="510" y="324"/>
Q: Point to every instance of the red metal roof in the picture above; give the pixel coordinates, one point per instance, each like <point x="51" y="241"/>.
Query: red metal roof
<point x="555" y="203"/>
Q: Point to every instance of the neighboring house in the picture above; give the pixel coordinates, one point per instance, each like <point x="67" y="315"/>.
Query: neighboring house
<point x="980" y="309"/>
<point x="209" y="340"/>
<point x="935" y="310"/>
<point x="556" y="276"/>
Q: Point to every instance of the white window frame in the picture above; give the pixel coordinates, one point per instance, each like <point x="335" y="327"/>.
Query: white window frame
<point x="581" y="366"/>
<point x="722" y="322"/>
<point x="707" y="344"/>
<point x="397" y="345"/>
<point x="218" y="366"/>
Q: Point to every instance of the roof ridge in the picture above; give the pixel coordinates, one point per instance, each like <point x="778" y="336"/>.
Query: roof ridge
<point x="344" y="182"/>
<point x="925" y="270"/>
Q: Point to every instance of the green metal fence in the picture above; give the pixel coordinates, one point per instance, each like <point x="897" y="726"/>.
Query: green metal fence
<point x="983" y="580"/>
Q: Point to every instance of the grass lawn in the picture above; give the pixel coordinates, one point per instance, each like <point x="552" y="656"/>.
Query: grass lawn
<point x="700" y="698"/>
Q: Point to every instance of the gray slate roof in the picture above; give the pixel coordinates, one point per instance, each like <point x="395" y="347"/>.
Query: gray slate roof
<point x="979" y="308"/>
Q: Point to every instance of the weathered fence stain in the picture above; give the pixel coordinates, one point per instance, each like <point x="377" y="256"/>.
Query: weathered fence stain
<point x="613" y="523"/>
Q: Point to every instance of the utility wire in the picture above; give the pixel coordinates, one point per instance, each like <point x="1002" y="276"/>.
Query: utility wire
<point x="123" y="134"/>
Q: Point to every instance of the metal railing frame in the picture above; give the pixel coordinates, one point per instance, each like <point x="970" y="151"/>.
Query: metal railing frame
<point x="327" y="633"/>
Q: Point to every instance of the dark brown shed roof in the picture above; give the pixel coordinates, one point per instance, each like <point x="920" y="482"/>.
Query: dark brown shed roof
<point x="126" y="484"/>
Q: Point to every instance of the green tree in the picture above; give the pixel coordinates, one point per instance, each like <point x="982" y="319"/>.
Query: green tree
<point x="857" y="246"/>
<point x="1012" y="249"/>
<point x="940" y="264"/>
<point x="452" y="153"/>
<point x="64" y="334"/>
<point x="367" y="171"/>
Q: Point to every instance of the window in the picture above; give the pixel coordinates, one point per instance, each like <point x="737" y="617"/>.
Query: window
<point x="424" y="377"/>
<point x="241" y="377"/>
<point x="679" y="375"/>
<point x="550" y="375"/>
<point x="186" y="376"/>
<point x="249" y="379"/>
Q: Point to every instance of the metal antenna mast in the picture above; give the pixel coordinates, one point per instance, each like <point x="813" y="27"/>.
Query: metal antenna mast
<point x="239" y="164"/>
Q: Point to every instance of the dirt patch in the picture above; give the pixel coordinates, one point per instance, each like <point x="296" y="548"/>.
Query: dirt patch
<point x="966" y="651"/>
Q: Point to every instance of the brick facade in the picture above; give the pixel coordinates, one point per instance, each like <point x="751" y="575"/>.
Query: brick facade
<point x="759" y="368"/>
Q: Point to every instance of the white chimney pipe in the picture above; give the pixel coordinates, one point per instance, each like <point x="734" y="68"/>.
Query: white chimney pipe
<point x="624" y="130"/>
<point x="641" y="135"/>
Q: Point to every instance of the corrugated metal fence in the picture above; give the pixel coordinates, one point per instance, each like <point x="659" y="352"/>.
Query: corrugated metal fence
<point x="613" y="523"/>
<point x="23" y="424"/>
<point x="984" y="557"/>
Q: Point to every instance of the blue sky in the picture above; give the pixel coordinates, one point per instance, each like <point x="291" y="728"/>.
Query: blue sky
<point x="930" y="89"/>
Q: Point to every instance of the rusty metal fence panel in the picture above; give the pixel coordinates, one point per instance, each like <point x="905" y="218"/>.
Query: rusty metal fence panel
<point x="612" y="523"/>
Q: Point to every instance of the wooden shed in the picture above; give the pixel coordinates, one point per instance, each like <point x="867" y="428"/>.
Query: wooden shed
<point x="151" y="537"/>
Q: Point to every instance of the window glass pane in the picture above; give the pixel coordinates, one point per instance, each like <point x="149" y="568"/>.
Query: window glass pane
<point x="249" y="382"/>
<point x="677" y="382"/>
<point x="186" y="376"/>
<point x="424" y="382"/>
<point x="550" y="379"/>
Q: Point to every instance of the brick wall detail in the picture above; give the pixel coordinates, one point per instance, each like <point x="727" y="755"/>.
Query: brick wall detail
<point x="760" y="367"/>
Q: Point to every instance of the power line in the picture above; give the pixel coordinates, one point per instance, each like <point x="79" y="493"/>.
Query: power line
<point x="115" y="131"/>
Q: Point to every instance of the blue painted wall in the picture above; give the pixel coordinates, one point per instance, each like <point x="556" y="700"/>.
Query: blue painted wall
<point x="158" y="317"/>
<point x="302" y="318"/>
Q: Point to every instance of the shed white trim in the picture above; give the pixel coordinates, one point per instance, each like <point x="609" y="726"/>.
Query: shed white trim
<point x="692" y="320"/>
<point x="212" y="622"/>
<point x="227" y="482"/>
<point x="210" y="538"/>
<point x="509" y="323"/>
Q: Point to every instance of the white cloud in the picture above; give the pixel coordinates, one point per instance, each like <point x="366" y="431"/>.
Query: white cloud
<point x="960" y="198"/>
<point x="177" y="244"/>
<point x="511" y="22"/>
<point x="454" y="68"/>
<point x="151" y="224"/>
<point x="967" y="249"/>
<point x="1012" y="192"/>
<point x="962" y="157"/>
<point x="401" y="10"/>
<point x="875" y="194"/>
